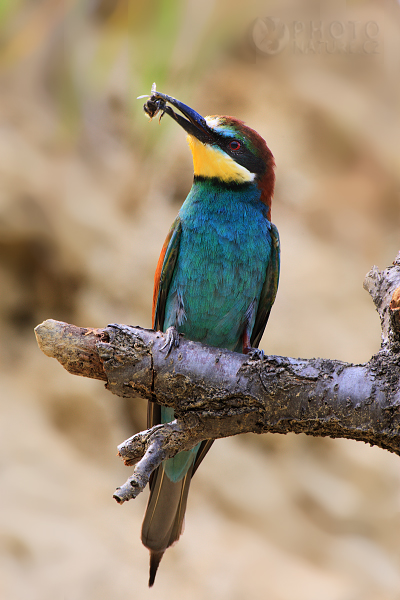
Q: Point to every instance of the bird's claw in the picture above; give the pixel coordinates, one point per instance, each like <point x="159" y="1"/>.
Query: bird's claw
<point x="255" y="353"/>
<point x="171" y="339"/>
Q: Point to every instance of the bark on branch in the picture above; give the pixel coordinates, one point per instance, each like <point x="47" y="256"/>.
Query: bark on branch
<point x="217" y="393"/>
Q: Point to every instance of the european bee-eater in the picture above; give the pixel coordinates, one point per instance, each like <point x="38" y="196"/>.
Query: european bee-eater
<point x="216" y="278"/>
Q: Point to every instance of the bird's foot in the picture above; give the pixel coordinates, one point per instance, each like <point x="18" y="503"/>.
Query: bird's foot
<point x="254" y="353"/>
<point x="171" y="339"/>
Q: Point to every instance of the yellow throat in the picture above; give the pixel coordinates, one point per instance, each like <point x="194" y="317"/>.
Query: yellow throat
<point x="211" y="161"/>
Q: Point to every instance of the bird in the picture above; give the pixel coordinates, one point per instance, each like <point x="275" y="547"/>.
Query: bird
<point x="216" y="279"/>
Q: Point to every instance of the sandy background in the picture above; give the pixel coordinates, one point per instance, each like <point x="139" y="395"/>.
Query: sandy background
<point x="88" y="189"/>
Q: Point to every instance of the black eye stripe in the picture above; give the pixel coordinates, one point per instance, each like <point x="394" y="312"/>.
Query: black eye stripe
<point x="243" y="156"/>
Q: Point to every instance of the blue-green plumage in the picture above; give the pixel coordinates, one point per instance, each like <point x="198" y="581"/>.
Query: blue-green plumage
<point x="220" y="269"/>
<point x="216" y="280"/>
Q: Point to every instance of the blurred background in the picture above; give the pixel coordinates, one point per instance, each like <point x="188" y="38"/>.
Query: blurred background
<point x="88" y="190"/>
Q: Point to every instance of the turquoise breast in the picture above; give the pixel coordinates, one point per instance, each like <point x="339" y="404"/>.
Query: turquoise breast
<point x="224" y="251"/>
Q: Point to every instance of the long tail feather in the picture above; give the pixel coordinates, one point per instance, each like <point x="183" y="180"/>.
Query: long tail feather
<point x="164" y="517"/>
<point x="165" y="512"/>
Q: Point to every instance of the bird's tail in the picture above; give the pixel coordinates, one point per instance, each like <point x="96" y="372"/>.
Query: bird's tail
<point x="163" y="520"/>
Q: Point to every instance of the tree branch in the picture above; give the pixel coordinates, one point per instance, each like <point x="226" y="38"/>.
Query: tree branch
<point x="217" y="393"/>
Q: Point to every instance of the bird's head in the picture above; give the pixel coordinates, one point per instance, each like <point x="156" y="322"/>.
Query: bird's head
<point x="223" y="148"/>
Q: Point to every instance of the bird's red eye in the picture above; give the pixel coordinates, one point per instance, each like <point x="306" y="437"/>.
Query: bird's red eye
<point x="235" y="145"/>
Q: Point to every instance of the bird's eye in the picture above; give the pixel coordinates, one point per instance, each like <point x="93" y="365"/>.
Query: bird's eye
<point x="234" y="145"/>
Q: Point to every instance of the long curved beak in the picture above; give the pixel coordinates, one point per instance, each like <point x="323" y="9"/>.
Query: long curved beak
<point x="194" y="124"/>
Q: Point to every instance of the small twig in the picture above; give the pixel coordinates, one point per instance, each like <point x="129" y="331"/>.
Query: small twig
<point x="153" y="446"/>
